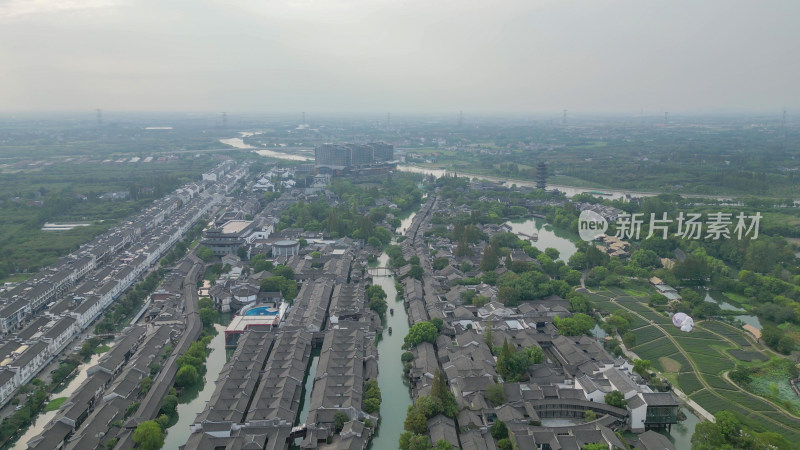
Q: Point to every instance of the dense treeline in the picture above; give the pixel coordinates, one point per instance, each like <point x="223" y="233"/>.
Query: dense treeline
<point x="349" y="218"/>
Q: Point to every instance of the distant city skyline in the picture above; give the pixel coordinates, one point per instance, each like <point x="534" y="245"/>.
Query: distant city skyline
<point x="414" y="57"/>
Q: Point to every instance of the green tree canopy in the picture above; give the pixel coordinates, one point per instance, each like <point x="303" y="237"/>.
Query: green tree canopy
<point x="148" y="436"/>
<point x="420" y="332"/>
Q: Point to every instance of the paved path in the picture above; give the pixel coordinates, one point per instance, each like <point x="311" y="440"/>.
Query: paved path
<point x="705" y="384"/>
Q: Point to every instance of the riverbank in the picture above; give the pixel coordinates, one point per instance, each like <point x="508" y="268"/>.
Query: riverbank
<point x="394" y="387"/>
<point x="194" y="400"/>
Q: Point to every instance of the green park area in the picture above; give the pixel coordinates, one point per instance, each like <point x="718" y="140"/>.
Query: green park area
<point x="702" y="363"/>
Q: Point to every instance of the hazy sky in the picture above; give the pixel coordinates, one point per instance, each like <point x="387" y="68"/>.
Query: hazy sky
<point x="399" y="56"/>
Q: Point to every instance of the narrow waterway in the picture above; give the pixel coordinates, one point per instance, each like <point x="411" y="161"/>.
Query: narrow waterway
<point x="178" y="434"/>
<point x="42" y="419"/>
<point x="681" y="433"/>
<point x="308" y="384"/>
<point x="394" y="387"/>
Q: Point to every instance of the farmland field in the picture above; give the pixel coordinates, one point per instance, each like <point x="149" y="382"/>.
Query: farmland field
<point x="713" y="348"/>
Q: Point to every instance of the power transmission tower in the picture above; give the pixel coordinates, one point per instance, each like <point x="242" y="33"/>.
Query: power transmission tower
<point x="783" y="124"/>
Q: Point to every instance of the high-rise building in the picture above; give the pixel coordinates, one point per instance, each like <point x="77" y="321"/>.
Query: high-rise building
<point x="353" y="155"/>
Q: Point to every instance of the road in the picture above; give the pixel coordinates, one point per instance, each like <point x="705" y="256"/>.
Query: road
<point x="151" y="404"/>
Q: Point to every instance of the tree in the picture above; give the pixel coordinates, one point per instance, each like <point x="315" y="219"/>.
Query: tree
<point x="642" y="367"/>
<point x="205" y="253"/>
<point x="441" y="392"/>
<point x="441" y="444"/>
<point x="463" y="248"/>
<point x="162" y="421"/>
<point x="589" y="416"/>
<point x="283" y="271"/>
<point x="278" y="283"/>
<point x="371" y="405"/>
<point x="707" y="436"/>
<point x="145" y="384"/>
<point x="574" y="326"/>
<point x="657" y="300"/>
<point x="535" y="354"/>
<point x="616" y="324"/>
<point x="186" y="376"/>
<point x="420" y="332"/>
<point x="510" y="363"/>
<point x="416" y="271"/>
<point x="728" y="425"/>
<point x="339" y="419"/>
<point x="499" y="430"/>
<point x="595" y="446"/>
<point x="487" y="334"/>
<point x="615" y="398"/>
<point x="372" y="396"/>
<point x="148" y="435"/>
<point x="645" y="258"/>
<point x="169" y="404"/>
<point x="208" y="316"/>
<point x="785" y="345"/>
<point x="505" y="444"/>
<point x="490" y="260"/>
<point x="205" y="302"/>
<point x="411" y="441"/>
<point x="440" y="263"/>
<point x="496" y="394"/>
<point x="552" y="253"/>
<point x="629" y="339"/>
<point x="415" y="422"/>
<point x="579" y="304"/>
<point x="479" y="301"/>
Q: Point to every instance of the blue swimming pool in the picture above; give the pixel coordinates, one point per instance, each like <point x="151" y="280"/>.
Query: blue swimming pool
<point x="262" y="311"/>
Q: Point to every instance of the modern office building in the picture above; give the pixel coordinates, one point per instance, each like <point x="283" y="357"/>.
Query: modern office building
<point x="353" y="155"/>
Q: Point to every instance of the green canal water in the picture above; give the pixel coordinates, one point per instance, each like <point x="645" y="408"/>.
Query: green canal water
<point x="197" y="398"/>
<point x="394" y="388"/>
<point x="549" y="236"/>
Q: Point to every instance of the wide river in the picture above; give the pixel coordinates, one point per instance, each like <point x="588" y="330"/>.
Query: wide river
<point x="569" y="191"/>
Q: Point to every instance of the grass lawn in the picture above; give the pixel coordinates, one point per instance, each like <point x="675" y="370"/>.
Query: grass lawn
<point x="55" y="403"/>
<point x="738" y="298"/>
<point x="101" y="349"/>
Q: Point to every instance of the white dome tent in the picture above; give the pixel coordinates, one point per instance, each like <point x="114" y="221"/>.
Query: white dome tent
<point x="683" y="321"/>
